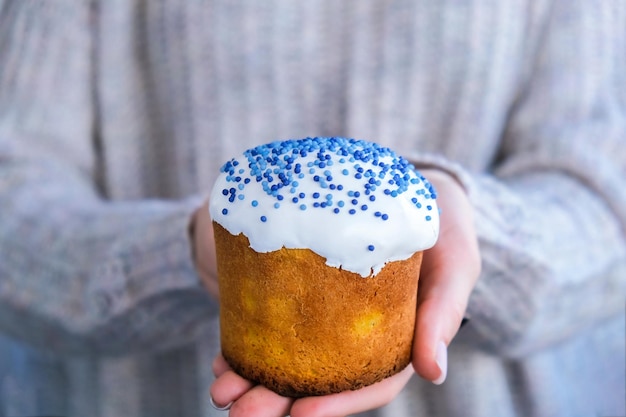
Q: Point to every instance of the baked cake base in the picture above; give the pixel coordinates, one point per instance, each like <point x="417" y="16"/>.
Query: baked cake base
<point x="299" y="327"/>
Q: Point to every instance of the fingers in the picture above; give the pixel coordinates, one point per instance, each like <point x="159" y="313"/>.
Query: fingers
<point x="257" y="401"/>
<point x="247" y="400"/>
<point x="228" y="387"/>
<point x="201" y="235"/>
<point x="220" y="365"/>
<point x="261" y="402"/>
<point x="449" y="272"/>
<point x="351" y="402"/>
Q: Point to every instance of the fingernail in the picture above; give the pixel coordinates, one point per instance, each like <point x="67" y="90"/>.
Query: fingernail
<point x="442" y="361"/>
<point x="217" y="407"/>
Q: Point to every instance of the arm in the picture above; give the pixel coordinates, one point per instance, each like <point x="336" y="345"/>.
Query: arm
<point x="78" y="272"/>
<point x="552" y="220"/>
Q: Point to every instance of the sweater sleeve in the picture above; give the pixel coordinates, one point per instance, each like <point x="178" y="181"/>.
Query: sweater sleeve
<point x="79" y="272"/>
<point x="551" y="216"/>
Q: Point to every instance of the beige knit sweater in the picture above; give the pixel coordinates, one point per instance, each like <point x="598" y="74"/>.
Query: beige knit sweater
<point x="116" y="114"/>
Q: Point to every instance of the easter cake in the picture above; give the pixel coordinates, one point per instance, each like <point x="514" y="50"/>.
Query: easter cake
<point x="319" y="244"/>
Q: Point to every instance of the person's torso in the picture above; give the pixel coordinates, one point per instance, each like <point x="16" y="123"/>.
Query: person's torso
<point x="183" y="86"/>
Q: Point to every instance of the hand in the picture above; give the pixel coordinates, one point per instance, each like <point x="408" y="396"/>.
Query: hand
<point x="257" y="401"/>
<point x="201" y="231"/>
<point x="449" y="272"/>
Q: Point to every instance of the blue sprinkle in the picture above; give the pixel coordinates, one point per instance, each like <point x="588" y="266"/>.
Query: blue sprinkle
<point x="340" y="203"/>
<point x="224" y="212"/>
<point x="384" y="217"/>
<point x="225" y="191"/>
<point x="336" y="210"/>
<point x="276" y="205"/>
<point x="279" y="197"/>
<point x="295" y="199"/>
<point x="364" y="207"/>
<point x="357" y="194"/>
<point x="345" y="172"/>
<point x="355" y="201"/>
<point x="241" y="196"/>
<point x="371" y="248"/>
<point x="428" y="218"/>
<point x="263" y="219"/>
<point x="340" y="187"/>
<point x="254" y="203"/>
<point x="378" y="214"/>
<point x="302" y="206"/>
<point x="372" y="197"/>
<point x="352" y="211"/>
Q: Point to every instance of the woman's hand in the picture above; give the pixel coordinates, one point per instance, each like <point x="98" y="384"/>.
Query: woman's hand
<point x="257" y="401"/>
<point x="201" y="231"/>
<point x="449" y="272"/>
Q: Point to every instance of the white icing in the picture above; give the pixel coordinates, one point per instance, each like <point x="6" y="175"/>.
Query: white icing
<point x="341" y="238"/>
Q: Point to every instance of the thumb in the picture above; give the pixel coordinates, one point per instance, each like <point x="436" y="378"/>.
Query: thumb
<point x="449" y="272"/>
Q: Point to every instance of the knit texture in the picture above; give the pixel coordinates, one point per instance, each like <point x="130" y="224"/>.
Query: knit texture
<point x="116" y="115"/>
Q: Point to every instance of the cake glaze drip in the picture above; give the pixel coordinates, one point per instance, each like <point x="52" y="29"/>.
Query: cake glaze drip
<point x="353" y="202"/>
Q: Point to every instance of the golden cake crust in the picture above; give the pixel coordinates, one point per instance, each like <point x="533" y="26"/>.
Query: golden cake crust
<point x="294" y="324"/>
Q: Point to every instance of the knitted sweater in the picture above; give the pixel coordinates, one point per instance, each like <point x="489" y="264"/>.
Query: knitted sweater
<point x="115" y="116"/>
